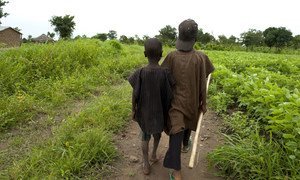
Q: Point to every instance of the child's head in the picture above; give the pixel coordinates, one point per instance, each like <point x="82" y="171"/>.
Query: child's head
<point x="188" y="30"/>
<point x="153" y="49"/>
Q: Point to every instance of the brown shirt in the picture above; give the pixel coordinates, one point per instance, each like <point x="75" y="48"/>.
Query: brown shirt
<point x="190" y="70"/>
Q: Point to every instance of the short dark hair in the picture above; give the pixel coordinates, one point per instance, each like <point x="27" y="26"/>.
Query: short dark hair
<point x="153" y="48"/>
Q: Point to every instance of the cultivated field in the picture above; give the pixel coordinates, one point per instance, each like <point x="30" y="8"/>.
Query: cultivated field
<point x="61" y="104"/>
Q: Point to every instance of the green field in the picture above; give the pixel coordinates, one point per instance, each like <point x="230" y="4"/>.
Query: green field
<point x="256" y="94"/>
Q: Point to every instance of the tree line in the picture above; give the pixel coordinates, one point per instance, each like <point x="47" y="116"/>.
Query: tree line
<point x="277" y="37"/>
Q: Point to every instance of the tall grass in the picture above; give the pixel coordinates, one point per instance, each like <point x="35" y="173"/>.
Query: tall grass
<point x="50" y="76"/>
<point x="80" y="142"/>
<point x="37" y="78"/>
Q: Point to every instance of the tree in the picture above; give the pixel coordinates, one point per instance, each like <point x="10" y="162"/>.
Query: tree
<point x="145" y="37"/>
<point x="64" y="26"/>
<point x="224" y="40"/>
<point x="131" y="40"/>
<point x="24" y="40"/>
<point x="123" y="39"/>
<point x="77" y="37"/>
<point x="252" y="38"/>
<point x="232" y="39"/>
<point x="296" y="42"/>
<point x="138" y="40"/>
<point x="278" y="37"/>
<point x="29" y="38"/>
<point x="284" y="37"/>
<point x="101" y="36"/>
<point x="112" y="34"/>
<point x="269" y="35"/>
<point x="17" y="29"/>
<point x="204" y="38"/>
<point x="199" y="35"/>
<point x="167" y="35"/>
<point x="207" y="38"/>
<point x="2" y="14"/>
<point x="51" y="35"/>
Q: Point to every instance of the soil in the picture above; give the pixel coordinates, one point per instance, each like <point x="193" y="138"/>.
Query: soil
<point x="129" y="165"/>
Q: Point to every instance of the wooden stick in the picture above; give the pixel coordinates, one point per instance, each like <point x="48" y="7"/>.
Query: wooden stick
<point x="195" y="143"/>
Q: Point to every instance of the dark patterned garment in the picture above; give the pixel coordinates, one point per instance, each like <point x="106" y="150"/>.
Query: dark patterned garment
<point x="151" y="97"/>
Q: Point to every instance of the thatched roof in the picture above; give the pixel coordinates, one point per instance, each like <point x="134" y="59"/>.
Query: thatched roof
<point x="42" y="39"/>
<point x="2" y="28"/>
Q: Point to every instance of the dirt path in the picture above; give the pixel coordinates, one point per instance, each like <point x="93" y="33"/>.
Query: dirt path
<point x="128" y="144"/>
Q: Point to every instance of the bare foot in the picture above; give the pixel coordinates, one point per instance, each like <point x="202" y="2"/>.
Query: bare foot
<point x="177" y="175"/>
<point x="154" y="159"/>
<point x="146" y="168"/>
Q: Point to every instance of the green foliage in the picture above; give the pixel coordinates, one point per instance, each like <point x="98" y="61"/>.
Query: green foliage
<point x="254" y="158"/>
<point x="265" y="88"/>
<point x="51" y="35"/>
<point x="224" y="40"/>
<point x="63" y="25"/>
<point x="238" y="123"/>
<point x="112" y="34"/>
<point x="80" y="142"/>
<point x="167" y="35"/>
<point x="101" y="36"/>
<point x="252" y="38"/>
<point x="296" y="42"/>
<point x="278" y="37"/>
<point x="204" y="38"/>
<point x="2" y="14"/>
<point x="36" y="78"/>
<point x="84" y="140"/>
<point x="123" y="39"/>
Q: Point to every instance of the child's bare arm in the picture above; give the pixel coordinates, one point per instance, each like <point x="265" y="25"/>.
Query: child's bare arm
<point x="134" y="104"/>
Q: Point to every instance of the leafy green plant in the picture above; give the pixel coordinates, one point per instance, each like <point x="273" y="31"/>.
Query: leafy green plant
<point x="49" y="75"/>
<point x="264" y="87"/>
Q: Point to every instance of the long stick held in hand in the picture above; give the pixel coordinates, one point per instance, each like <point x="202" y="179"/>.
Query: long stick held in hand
<point x="195" y="143"/>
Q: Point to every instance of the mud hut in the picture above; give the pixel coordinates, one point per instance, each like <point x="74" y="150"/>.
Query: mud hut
<point x="42" y="39"/>
<point x="9" y="37"/>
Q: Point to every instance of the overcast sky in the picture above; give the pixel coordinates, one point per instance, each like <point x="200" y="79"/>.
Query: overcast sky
<point x="147" y="17"/>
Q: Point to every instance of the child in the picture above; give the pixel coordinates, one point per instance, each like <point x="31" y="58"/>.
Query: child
<point x="190" y="69"/>
<point x="151" y="99"/>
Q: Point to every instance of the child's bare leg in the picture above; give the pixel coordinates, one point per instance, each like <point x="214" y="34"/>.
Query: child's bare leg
<point x="145" y="148"/>
<point x="177" y="175"/>
<point x="155" y="146"/>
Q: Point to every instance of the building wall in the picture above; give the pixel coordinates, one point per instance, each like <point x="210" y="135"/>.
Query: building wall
<point x="10" y="37"/>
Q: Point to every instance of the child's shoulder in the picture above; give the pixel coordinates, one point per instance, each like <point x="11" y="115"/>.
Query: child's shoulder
<point x="177" y="52"/>
<point x="134" y="76"/>
<point x="137" y="71"/>
<point x="200" y="53"/>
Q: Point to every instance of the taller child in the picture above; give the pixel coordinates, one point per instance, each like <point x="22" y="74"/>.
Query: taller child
<point x="190" y="69"/>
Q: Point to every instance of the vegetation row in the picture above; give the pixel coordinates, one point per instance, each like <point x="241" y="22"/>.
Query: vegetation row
<point x="258" y="96"/>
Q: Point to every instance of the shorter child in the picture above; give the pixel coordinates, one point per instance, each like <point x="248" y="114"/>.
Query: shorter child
<point x="151" y="99"/>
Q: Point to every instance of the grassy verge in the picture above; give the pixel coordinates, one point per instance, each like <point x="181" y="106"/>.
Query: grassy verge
<point x="80" y="142"/>
<point x="36" y="79"/>
<point x="38" y="82"/>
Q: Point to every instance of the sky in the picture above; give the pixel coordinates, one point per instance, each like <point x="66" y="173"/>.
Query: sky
<point x="147" y="17"/>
